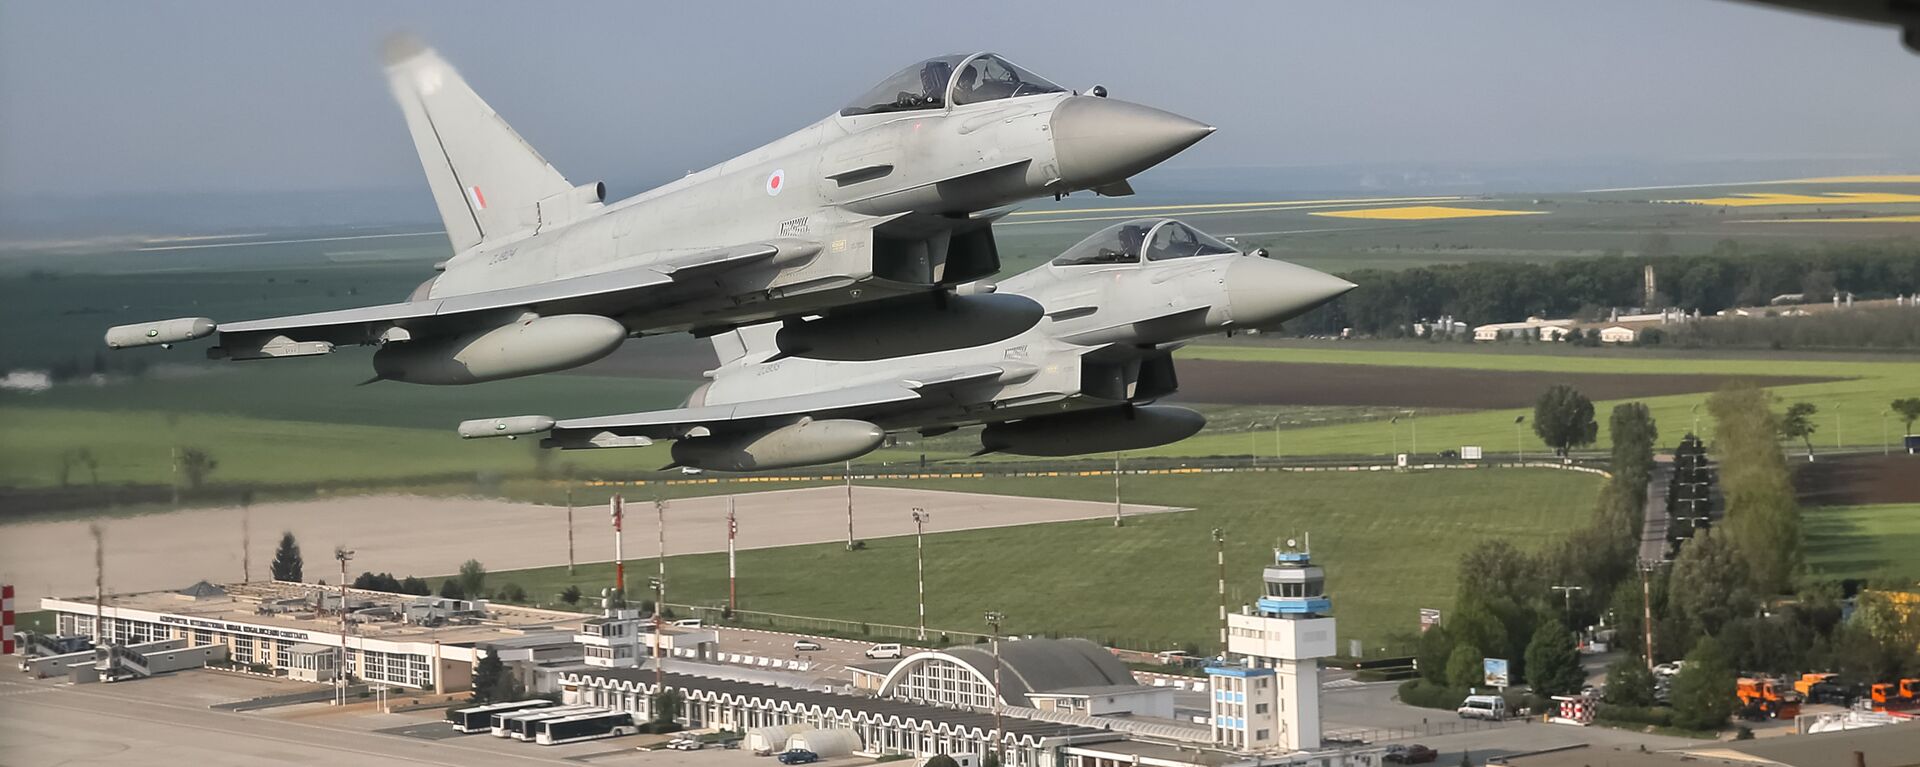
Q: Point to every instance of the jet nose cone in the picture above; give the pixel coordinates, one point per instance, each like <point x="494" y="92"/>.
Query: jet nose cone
<point x="1101" y="141"/>
<point x="1263" y="291"/>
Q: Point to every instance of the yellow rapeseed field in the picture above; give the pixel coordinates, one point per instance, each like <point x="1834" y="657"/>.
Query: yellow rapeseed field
<point x="1425" y="213"/>
<point x="1754" y="199"/>
<point x="1859" y="220"/>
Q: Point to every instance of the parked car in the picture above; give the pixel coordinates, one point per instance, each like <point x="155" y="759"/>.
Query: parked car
<point x="798" y="756"/>
<point x="1414" y="754"/>
<point x="884" y="652"/>
<point x="1173" y="657"/>
<point x="688" y="623"/>
<point x="1491" y="707"/>
<point x="806" y="645"/>
<point x="1669" y="669"/>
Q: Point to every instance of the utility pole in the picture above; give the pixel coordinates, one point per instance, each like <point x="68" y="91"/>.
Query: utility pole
<point x="345" y="555"/>
<point x="1393" y="427"/>
<point x="659" y="603"/>
<point x="100" y="636"/>
<point x="999" y="749"/>
<point x="848" y="474"/>
<point x="920" y="517"/>
<point x="176" y="476"/>
<point x="1413" y="424"/>
<point x="1886" y="448"/>
<point x="1220" y="557"/>
<point x="1253" y="447"/>
<point x="569" y="528"/>
<point x="1116" y="489"/>
<point x="1839" y="433"/>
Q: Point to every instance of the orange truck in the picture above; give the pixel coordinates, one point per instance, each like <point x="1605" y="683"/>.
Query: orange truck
<point x="1762" y="698"/>
<point x="1805" y="684"/>
<point x="1904" y="696"/>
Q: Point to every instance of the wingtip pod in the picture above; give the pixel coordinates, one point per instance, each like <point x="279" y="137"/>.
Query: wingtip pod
<point x="159" y="332"/>
<point x="512" y="426"/>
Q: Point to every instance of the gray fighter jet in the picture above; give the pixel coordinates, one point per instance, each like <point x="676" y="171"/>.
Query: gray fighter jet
<point x="881" y="208"/>
<point x="1078" y="381"/>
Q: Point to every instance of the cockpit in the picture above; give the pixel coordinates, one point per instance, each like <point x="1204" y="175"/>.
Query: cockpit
<point x="1157" y="239"/>
<point x="956" y="79"/>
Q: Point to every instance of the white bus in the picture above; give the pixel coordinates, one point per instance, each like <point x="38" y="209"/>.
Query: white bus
<point x="549" y="732"/>
<point x="505" y="725"/>
<point x="480" y="718"/>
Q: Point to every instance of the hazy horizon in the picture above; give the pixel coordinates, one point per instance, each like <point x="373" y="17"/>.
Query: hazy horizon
<point x="233" y="98"/>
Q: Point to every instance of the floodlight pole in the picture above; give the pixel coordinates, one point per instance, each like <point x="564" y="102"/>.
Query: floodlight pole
<point x="345" y="555"/>
<point x="1886" y="448"/>
<point x="733" y="529"/>
<point x="660" y="598"/>
<point x="569" y="528"/>
<point x="1519" y="447"/>
<point x="848" y="473"/>
<point x="1116" y="489"/>
<point x="1646" y="612"/>
<point x="999" y="748"/>
<point x="920" y="517"/>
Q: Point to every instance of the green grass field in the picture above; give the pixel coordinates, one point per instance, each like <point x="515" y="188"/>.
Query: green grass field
<point x="1863" y="541"/>
<point x="1858" y="401"/>
<point x="1389" y="543"/>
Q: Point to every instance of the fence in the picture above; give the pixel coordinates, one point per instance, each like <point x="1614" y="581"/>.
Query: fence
<point x="1365" y="735"/>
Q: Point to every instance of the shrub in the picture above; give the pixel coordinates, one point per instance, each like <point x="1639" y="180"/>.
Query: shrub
<point x="1420" y="692"/>
<point x="1658" y="716"/>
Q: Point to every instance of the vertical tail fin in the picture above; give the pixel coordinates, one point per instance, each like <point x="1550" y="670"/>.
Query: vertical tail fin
<point x="486" y="180"/>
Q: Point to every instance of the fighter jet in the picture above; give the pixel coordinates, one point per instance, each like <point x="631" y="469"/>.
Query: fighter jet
<point x="883" y="207"/>
<point x="1080" y="380"/>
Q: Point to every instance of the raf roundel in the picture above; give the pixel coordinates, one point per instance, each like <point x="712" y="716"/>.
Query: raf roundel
<point x="776" y="180"/>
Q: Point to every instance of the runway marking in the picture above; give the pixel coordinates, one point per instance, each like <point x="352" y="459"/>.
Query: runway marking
<point x="1756" y="199"/>
<point x="158" y="248"/>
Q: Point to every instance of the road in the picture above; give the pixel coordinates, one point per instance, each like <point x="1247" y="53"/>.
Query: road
<point x="1653" y="526"/>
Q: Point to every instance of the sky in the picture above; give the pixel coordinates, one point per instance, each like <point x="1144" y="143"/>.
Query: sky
<point x="191" y="96"/>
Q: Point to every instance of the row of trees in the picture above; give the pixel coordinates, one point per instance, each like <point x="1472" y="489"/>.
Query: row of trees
<point x="1485" y="292"/>
<point x="469" y="583"/>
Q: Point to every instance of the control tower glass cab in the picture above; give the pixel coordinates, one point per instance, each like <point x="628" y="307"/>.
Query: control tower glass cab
<point x="1296" y="588"/>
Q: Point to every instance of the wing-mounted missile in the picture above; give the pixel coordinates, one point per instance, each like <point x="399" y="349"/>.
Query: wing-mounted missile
<point x="1106" y="430"/>
<point x="159" y="332"/>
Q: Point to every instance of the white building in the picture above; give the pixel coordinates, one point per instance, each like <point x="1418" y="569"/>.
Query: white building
<point x="622" y="638"/>
<point x="1044" y="674"/>
<point x="1539" y="327"/>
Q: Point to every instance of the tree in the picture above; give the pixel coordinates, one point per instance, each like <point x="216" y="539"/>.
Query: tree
<point x="196" y="464"/>
<point x="1633" y="433"/>
<point x="1466" y="666"/>
<point x="666" y="706"/>
<point x="1763" y="512"/>
<point x="1436" y="647"/>
<point x="1553" y="661"/>
<point x="571" y="596"/>
<point x="286" y="559"/>
<point x="1703" y="691"/>
<point x="512" y="592"/>
<point x="1710" y="585"/>
<point x="1909" y="410"/>
<point x="450" y="589"/>
<point x="1563" y="418"/>
<point x="940" y="760"/>
<point x="1629" y="683"/>
<point x="473" y="579"/>
<point x="1798" y="424"/>
<point x="415" y="586"/>
<point x="493" y="682"/>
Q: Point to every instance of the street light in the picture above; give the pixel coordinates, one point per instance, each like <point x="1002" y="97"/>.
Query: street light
<point x="1567" y="591"/>
<point x="920" y="517"/>
<point x="1519" y="449"/>
<point x="994" y="617"/>
<point x="1886" y="448"/>
<point x="1695" y="412"/>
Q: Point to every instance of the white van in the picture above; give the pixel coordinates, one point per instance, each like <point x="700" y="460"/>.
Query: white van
<point x="1491" y="707"/>
<point x="688" y="623"/>
<point x="884" y="652"/>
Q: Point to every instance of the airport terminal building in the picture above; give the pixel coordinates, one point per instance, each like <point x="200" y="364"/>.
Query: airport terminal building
<point x="421" y="643"/>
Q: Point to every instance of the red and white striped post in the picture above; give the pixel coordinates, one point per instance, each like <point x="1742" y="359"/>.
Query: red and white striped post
<point x="617" y="508"/>
<point x="6" y="619"/>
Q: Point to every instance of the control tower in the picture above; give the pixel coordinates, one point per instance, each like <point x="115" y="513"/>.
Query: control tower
<point x="1267" y="696"/>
